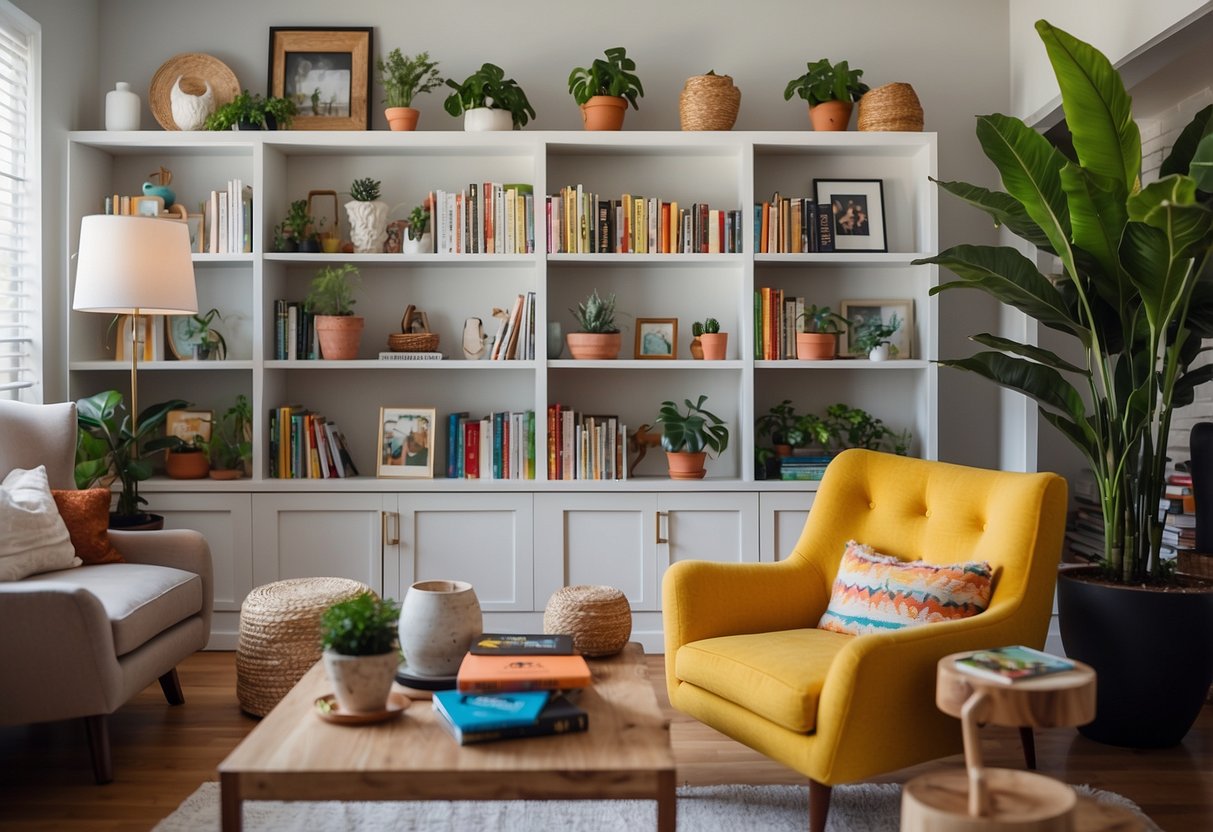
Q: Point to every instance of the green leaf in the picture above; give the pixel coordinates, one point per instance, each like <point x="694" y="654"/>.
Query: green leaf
<point x="1097" y="220"/>
<point x="1038" y="354"/>
<point x="1185" y="386"/>
<point x="96" y="410"/>
<point x="1184" y="149"/>
<point x="1159" y="268"/>
<point x="152" y="417"/>
<point x="1043" y="384"/>
<point x="1201" y="168"/>
<point x="1003" y="208"/>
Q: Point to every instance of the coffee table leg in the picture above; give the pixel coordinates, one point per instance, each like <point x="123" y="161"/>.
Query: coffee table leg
<point x="667" y="802"/>
<point x="231" y="802"/>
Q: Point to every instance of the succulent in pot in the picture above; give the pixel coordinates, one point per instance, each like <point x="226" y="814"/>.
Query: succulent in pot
<point x="417" y="236"/>
<point x="359" y="639"/>
<point x="489" y="95"/>
<point x="404" y="78"/>
<point x="332" y="300"/>
<point x="713" y="342"/>
<point x="599" y="337"/>
<point x="368" y="216"/>
<point x="605" y="88"/>
<point x="685" y="436"/>
<point x="830" y="90"/>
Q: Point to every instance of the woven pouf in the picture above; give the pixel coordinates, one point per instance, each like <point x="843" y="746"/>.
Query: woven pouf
<point x="598" y="618"/>
<point x="280" y="636"/>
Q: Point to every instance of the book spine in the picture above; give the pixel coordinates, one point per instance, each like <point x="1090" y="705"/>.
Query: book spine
<point x="542" y="727"/>
<point x="825" y="228"/>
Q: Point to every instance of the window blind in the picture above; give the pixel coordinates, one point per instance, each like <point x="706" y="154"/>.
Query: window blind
<point x="20" y="241"/>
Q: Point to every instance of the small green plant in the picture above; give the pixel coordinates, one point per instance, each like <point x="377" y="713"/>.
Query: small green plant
<point x="777" y="422"/>
<point x="822" y="319"/>
<point x="252" y="109"/>
<point x="826" y="82"/>
<point x="332" y="290"/>
<point x="403" y="78"/>
<point x="596" y="315"/>
<point x="873" y="333"/>
<point x="488" y="87"/>
<point x="693" y="431"/>
<point x="199" y="328"/>
<point x="711" y="326"/>
<point x="295" y="226"/>
<point x="364" y="190"/>
<point x="232" y="445"/>
<point x="854" y="427"/>
<point x="419" y="220"/>
<point x="180" y="445"/>
<point x="614" y="76"/>
<point x="361" y="626"/>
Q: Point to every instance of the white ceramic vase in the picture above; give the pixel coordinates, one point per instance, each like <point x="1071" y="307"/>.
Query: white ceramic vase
<point x="438" y="621"/>
<point x="361" y="683"/>
<point x="368" y="225"/>
<point x="880" y="352"/>
<point x="121" y="108"/>
<point x="424" y="245"/>
<point x="481" y="119"/>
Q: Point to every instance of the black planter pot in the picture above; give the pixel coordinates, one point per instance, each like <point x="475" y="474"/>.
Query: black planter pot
<point x="1152" y="653"/>
<point x="145" y="522"/>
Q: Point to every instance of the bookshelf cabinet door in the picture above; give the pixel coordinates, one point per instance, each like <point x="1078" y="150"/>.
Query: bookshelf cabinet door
<point x="720" y="526"/>
<point x="782" y="515"/>
<point x="309" y="535"/>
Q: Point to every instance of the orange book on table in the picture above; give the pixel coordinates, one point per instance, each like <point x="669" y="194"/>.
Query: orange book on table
<point x="501" y="674"/>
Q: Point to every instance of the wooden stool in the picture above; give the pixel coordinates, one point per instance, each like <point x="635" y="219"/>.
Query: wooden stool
<point x="999" y="799"/>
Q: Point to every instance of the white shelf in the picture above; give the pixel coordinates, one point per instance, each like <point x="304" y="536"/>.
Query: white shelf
<point x="860" y="364"/>
<point x="156" y="366"/>
<point x="841" y="258"/>
<point x="665" y="364"/>
<point x="478" y="260"/>
<point x="386" y="364"/>
<point x="612" y="259"/>
<point x="363" y="484"/>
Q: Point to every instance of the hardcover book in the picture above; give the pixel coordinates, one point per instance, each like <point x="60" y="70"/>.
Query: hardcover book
<point x="501" y="674"/>
<point x="511" y="644"/>
<point x="559" y="716"/>
<point x="1007" y="665"/>
<point x="490" y="712"/>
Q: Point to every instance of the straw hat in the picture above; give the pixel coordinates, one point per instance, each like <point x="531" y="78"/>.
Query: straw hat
<point x="195" y="70"/>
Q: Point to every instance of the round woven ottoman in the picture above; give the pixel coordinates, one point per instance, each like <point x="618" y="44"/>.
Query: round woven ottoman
<point x="280" y="636"/>
<point x="598" y="618"/>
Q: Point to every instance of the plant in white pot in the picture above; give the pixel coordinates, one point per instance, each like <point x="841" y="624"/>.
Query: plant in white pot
<point x="489" y="101"/>
<point x="404" y="78"/>
<point x="599" y="337"/>
<point x="360" y="651"/>
<point x="331" y="299"/>
<point x="417" y="236"/>
<point x="872" y="338"/>
<point x="368" y="216"/>
<point x="684" y="436"/>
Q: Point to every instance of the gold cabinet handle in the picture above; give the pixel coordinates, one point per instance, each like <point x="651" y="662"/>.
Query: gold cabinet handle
<point x="395" y="539"/>
<point x="657" y="515"/>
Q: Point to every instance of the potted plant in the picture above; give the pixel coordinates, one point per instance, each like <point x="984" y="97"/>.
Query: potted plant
<point x="417" y="237"/>
<point x="605" y="89"/>
<point x="684" y="436"/>
<point x="252" y="112"/>
<point x="853" y="427"/>
<point x="184" y="458"/>
<point x="232" y="444"/>
<point x="872" y="338"/>
<point x="403" y="79"/>
<point x="368" y="216"/>
<point x="208" y="343"/>
<point x="293" y="230"/>
<point x="331" y="299"/>
<point x="819" y="341"/>
<point x="107" y="449"/>
<point x="830" y="90"/>
<point x="361" y="655"/>
<point x="777" y="424"/>
<point x="485" y="98"/>
<point x="1133" y="295"/>
<point x="713" y="343"/>
<point x="599" y="337"/>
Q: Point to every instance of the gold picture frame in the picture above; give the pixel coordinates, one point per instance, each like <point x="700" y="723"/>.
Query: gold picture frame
<point x="406" y="442"/>
<point x="326" y="72"/>
<point x="151" y="337"/>
<point x="656" y="339"/>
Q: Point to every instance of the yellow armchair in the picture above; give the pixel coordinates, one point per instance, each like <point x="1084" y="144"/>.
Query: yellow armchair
<point x="743" y="654"/>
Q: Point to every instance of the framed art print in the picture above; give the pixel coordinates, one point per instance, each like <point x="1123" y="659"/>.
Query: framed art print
<point x="656" y="338"/>
<point x="405" y="442"/>
<point x="326" y="72"/>
<point x="857" y="209"/>
<point x="865" y="313"/>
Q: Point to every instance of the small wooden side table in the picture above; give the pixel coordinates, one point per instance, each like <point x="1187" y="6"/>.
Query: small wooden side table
<point x="997" y="798"/>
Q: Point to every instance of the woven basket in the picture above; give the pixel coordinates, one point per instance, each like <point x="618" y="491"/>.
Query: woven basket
<point x="412" y="341"/>
<point x="1197" y="564"/>
<point x="708" y="102"/>
<point x="891" y="107"/>
<point x="598" y="618"/>
<point x="280" y="636"/>
<point x="195" y="69"/>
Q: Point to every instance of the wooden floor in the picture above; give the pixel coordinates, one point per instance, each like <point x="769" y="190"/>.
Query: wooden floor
<point x="161" y="754"/>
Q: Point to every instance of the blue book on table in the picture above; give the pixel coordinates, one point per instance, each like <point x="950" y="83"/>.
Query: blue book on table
<point x="488" y="712"/>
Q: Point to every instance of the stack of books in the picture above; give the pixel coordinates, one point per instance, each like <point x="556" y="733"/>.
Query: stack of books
<point x="804" y="466"/>
<point x="1084" y="528"/>
<point x="305" y="445"/>
<point x="516" y="333"/>
<point x="582" y="447"/>
<point x="500" y="446"/>
<point x="581" y="222"/>
<point x="485" y="218"/>
<point x="792" y="225"/>
<point x="776" y="322"/>
<point x="1178" y="508"/>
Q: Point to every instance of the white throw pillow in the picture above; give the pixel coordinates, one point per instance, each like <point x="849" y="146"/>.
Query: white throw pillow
<point x="33" y="537"/>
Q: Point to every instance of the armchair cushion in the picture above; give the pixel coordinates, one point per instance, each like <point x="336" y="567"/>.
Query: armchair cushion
<point x="875" y="593"/>
<point x="778" y="676"/>
<point x="33" y="537"/>
<point x="87" y="515"/>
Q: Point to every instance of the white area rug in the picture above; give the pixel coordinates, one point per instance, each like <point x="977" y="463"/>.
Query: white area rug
<point x="864" y="807"/>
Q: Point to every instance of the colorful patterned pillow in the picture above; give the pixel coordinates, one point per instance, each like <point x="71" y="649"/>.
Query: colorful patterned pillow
<point x="876" y="593"/>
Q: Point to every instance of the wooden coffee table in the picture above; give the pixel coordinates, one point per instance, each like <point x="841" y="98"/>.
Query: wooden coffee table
<point x="294" y="755"/>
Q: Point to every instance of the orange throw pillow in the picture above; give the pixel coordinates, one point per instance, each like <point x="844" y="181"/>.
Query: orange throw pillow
<point x="87" y="515"/>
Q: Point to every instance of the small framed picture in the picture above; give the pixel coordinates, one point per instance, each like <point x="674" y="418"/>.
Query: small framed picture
<point x="857" y="207"/>
<point x="657" y="338"/>
<point x="866" y="314"/>
<point x="326" y="72"/>
<point x="147" y="206"/>
<point x="186" y="424"/>
<point x="151" y="337"/>
<point x="405" y="435"/>
<point x="194" y="223"/>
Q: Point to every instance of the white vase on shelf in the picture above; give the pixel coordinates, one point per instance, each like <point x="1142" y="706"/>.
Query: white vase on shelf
<point x="368" y="225"/>
<point x="481" y="119"/>
<point x="423" y="245"/>
<point x="122" y="108"/>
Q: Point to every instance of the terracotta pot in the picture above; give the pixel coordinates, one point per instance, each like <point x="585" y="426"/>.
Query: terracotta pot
<point x="594" y="345"/>
<point x="685" y="465"/>
<point x="831" y="115"/>
<point x="816" y="346"/>
<point x="361" y="683"/>
<point x="226" y="473"/>
<point x="186" y="465"/>
<point x="481" y="119"/>
<point x="715" y="345"/>
<point x="339" y="336"/>
<point x="438" y="621"/>
<point x="402" y="118"/>
<point x="604" y="112"/>
<point x="697" y="349"/>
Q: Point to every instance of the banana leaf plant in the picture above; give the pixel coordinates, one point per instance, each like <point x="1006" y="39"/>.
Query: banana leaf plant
<point x="1135" y="291"/>
<point x="107" y="448"/>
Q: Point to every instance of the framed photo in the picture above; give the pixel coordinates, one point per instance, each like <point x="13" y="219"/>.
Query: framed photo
<point x="186" y="424"/>
<point x="405" y="439"/>
<point x="326" y="72"/>
<point x="194" y="223"/>
<point x="857" y="206"/>
<point x="147" y="206"/>
<point x="656" y="338"/>
<point x="863" y="313"/>
<point x="151" y="337"/>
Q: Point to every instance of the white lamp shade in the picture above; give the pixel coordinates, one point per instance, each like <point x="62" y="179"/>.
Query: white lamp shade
<point x="128" y="264"/>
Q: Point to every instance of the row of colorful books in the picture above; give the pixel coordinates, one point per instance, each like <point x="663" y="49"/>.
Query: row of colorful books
<point x="804" y="467"/>
<point x="305" y="445"/>
<point x="584" y="447"/>
<point x="581" y="222"/>
<point x="777" y="320"/>
<point x="484" y="218"/>
<point x="1178" y="512"/>
<point x="294" y="332"/>
<point x="516" y="331"/>
<point x="499" y="446"/>
<point x="792" y="225"/>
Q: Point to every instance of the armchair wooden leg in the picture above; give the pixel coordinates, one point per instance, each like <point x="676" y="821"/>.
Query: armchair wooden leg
<point x="171" y="685"/>
<point x="819" y="805"/>
<point x="98" y="729"/>
<point x="1028" y="740"/>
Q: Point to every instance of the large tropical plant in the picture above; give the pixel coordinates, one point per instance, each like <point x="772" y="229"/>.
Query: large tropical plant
<point x="1135" y="291"/>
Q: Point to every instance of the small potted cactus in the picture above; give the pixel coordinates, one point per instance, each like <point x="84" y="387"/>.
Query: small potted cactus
<point x="368" y="216"/>
<point x="713" y="343"/>
<point x="599" y="336"/>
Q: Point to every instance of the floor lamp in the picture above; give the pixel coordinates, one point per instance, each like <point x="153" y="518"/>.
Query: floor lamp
<point x="134" y="266"/>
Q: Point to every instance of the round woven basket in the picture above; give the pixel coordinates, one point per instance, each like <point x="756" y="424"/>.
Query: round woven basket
<point x="280" y="636"/>
<point x="708" y="102"/>
<point x="195" y="69"/>
<point x="412" y="341"/>
<point x="598" y="618"/>
<point x="891" y="107"/>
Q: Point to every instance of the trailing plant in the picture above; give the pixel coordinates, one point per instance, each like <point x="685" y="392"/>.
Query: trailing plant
<point x="232" y="444"/>
<point x="419" y="220"/>
<point x="872" y="333"/>
<point x="841" y="427"/>
<point x="361" y="626"/>
<point x="364" y="190"/>
<point x="488" y="87"/>
<point x="252" y="109"/>
<point x="827" y="82"/>
<point x="332" y="290"/>
<point x="821" y="319"/>
<point x="614" y="76"/>
<point x="403" y="78"/>
<point x="596" y="315"/>
<point x="1135" y="292"/>
<point x="694" y="431"/>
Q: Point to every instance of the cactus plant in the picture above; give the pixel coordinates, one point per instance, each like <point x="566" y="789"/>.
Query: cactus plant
<point x="596" y="315"/>
<point x="365" y="190"/>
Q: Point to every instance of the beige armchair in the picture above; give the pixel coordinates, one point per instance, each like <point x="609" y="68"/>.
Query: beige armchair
<point x="81" y="642"/>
